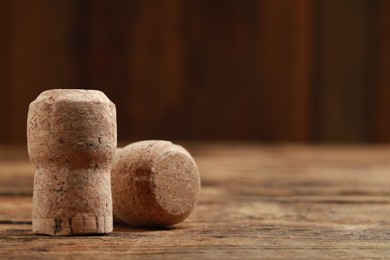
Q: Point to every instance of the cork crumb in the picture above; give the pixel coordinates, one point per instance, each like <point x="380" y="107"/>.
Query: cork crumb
<point x="57" y="226"/>
<point x="70" y="225"/>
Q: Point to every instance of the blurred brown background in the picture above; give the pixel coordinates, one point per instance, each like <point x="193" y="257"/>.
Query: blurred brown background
<point x="204" y="70"/>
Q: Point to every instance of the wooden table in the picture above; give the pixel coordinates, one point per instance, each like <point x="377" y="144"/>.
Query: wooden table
<point x="257" y="201"/>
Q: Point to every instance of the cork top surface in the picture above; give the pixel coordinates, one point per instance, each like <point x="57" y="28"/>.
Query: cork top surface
<point x="72" y="95"/>
<point x="71" y="127"/>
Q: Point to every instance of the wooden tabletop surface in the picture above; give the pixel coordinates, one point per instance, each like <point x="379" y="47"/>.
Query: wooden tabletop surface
<point x="257" y="201"/>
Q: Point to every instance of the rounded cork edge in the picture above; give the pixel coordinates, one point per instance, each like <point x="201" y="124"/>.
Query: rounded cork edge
<point x="73" y="226"/>
<point x="72" y="95"/>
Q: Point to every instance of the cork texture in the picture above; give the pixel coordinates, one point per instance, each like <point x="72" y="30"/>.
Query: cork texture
<point x="154" y="183"/>
<point x="71" y="138"/>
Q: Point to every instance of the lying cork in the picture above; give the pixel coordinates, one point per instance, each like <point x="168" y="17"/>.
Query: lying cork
<point x="154" y="183"/>
<point x="71" y="137"/>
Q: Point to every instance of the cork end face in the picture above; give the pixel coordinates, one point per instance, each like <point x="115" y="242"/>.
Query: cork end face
<point x="176" y="186"/>
<point x="73" y="226"/>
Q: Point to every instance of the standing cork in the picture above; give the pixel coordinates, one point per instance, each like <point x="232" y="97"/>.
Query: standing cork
<point x="154" y="183"/>
<point x="71" y="137"/>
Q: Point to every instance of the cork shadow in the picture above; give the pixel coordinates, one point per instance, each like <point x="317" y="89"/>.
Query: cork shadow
<point x="125" y="228"/>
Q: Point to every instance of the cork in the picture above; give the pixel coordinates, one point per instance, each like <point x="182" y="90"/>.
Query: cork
<point x="71" y="139"/>
<point x="154" y="183"/>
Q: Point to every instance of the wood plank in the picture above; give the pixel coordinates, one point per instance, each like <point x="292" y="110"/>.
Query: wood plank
<point x="345" y="74"/>
<point x="225" y="225"/>
<point x="381" y="96"/>
<point x="5" y="70"/>
<point x="219" y="67"/>
<point x="15" y="209"/>
<point x="212" y="241"/>
<point x="247" y="67"/>
<point x="16" y="171"/>
<point x="16" y="178"/>
<point x="286" y="42"/>
<point x="101" y="47"/>
<point x="340" y="169"/>
<point x="257" y="201"/>
<point x="205" y="69"/>
<point x="29" y="66"/>
<point x="154" y="70"/>
<point x="62" y="63"/>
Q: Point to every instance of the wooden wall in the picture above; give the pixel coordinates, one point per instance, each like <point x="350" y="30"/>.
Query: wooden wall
<point x="223" y="69"/>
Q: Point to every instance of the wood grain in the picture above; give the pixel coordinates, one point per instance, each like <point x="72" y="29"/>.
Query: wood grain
<point x="257" y="201"/>
<point x="381" y="93"/>
<point x="63" y="69"/>
<point x="345" y="58"/>
<point x="5" y="70"/>
<point x="286" y="50"/>
<point x="205" y="70"/>
<point x="30" y="62"/>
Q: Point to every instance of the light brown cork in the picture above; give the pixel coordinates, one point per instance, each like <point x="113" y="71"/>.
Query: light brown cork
<point x="154" y="183"/>
<point x="71" y="138"/>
